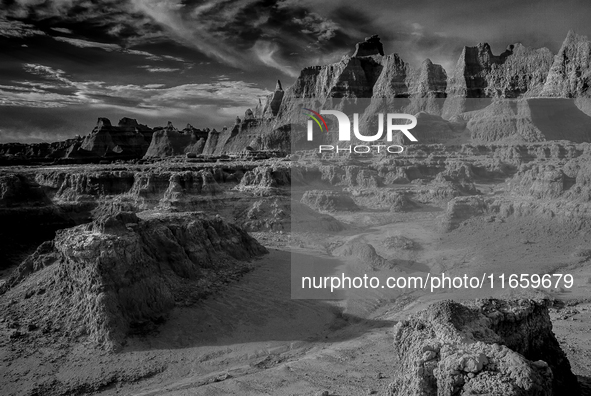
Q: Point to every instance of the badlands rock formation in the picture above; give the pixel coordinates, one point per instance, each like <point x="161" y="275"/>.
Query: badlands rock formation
<point x="488" y="347"/>
<point x="570" y="74"/>
<point x="121" y="274"/>
<point x="485" y="98"/>
<point x="128" y="140"/>
<point x="516" y="72"/>
<point x="169" y="141"/>
<point x="465" y="188"/>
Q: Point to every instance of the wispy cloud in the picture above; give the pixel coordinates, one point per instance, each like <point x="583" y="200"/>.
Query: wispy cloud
<point x="174" y="58"/>
<point x="36" y="98"/>
<point x="88" y="44"/>
<point x="80" y="43"/>
<point x="152" y="69"/>
<point x="62" y="30"/>
<point x="17" y="29"/>
<point x="96" y="18"/>
<point x="265" y="52"/>
<point x="46" y="71"/>
<point x="57" y="89"/>
<point x="245" y="34"/>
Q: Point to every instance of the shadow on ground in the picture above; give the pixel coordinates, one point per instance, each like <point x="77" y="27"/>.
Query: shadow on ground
<point x="258" y="308"/>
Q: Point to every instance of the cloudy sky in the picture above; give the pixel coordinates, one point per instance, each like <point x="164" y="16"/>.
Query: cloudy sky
<point x="64" y="63"/>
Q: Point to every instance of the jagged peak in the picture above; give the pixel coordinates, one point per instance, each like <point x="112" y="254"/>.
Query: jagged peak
<point x="397" y="59"/>
<point x="428" y="65"/>
<point x="572" y="37"/>
<point x="278" y="87"/>
<point x="484" y="46"/>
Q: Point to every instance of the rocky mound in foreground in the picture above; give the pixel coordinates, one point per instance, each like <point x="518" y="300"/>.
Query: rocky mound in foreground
<point x="122" y="274"/>
<point x="491" y="347"/>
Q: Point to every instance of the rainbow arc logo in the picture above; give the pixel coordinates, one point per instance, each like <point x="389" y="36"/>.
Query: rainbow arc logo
<point x="312" y="116"/>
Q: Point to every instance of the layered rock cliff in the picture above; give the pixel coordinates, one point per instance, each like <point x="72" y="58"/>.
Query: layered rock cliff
<point x="516" y="72"/>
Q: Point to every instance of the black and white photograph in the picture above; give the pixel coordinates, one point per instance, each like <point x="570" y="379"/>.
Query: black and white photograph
<point x="295" y="198"/>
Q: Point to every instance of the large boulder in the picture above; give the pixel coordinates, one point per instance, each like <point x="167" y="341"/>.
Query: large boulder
<point x="490" y="347"/>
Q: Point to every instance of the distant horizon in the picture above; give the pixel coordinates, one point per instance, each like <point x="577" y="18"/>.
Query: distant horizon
<point x="64" y="65"/>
